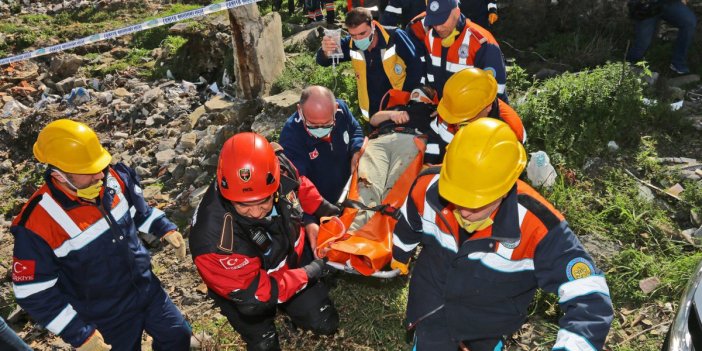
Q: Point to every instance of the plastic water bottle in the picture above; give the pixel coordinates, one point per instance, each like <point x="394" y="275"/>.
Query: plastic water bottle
<point x="540" y="171"/>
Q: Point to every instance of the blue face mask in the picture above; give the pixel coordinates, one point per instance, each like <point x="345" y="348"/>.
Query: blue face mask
<point x="320" y="132"/>
<point x="364" y="43"/>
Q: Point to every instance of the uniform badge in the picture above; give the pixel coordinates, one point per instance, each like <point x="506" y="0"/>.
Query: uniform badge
<point x="463" y="51"/>
<point x="434" y="6"/>
<point x="398" y="68"/>
<point x="579" y="268"/>
<point x="112" y="183"/>
<point x="491" y="70"/>
<point x="314" y="154"/>
<point x="510" y="244"/>
<point x="346" y="137"/>
<point x="293" y="199"/>
<point x="23" y="270"/>
<point x="244" y="174"/>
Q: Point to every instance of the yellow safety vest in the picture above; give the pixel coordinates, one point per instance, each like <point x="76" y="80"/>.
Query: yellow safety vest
<point x="393" y="65"/>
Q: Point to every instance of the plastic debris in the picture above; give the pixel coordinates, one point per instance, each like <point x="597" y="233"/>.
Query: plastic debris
<point x="169" y="75"/>
<point x="78" y="96"/>
<point x="612" y="146"/>
<point x="540" y="171"/>
<point x="12" y="108"/>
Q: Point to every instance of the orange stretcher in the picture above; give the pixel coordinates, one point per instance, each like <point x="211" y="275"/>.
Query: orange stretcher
<point x="369" y="249"/>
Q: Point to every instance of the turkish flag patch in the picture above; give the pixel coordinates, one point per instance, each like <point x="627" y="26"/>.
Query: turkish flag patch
<point x="314" y="154"/>
<point x="23" y="270"/>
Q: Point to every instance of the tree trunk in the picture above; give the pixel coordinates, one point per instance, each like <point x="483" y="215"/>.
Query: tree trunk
<point x="258" y="50"/>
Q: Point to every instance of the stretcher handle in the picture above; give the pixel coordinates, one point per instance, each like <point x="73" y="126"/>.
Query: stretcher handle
<point x="379" y="274"/>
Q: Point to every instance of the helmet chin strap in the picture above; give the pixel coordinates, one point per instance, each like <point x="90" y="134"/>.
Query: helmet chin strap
<point x="64" y="178"/>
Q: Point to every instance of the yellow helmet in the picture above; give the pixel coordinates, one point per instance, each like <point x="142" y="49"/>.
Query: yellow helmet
<point x="466" y="93"/>
<point x="72" y="147"/>
<point x="482" y="163"/>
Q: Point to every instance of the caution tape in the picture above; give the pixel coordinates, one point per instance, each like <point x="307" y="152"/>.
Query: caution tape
<point x="128" y="30"/>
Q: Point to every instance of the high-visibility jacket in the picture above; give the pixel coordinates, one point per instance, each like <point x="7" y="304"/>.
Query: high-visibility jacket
<point x="228" y="258"/>
<point x="393" y="63"/>
<point x="486" y="280"/>
<point x="474" y="46"/>
<point x="78" y="264"/>
<point x="478" y="10"/>
<point x="440" y="135"/>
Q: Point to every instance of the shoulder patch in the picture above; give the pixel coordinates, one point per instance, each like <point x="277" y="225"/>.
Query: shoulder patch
<point x="23" y="270"/>
<point x="579" y="268"/>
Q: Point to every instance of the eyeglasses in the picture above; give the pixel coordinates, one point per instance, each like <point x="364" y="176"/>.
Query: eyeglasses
<point x="318" y="126"/>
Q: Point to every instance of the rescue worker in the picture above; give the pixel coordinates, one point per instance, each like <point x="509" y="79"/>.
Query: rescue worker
<point x="470" y="94"/>
<point x="313" y="8"/>
<point x="79" y="268"/>
<point x="453" y="43"/>
<point x="481" y="12"/>
<point x="489" y="240"/>
<point x="401" y="12"/>
<point x="248" y="244"/>
<point x="323" y="140"/>
<point x="382" y="58"/>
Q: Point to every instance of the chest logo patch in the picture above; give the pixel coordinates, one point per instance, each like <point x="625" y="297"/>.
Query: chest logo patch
<point x="510" y="244"/>
<point x="579" y="268"/>
<point x="314" y="154"/>
<point x="398" y="69"/>
<point x="463" y="51"/>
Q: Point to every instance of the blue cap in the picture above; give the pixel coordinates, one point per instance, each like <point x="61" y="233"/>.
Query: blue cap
<point x="438" y="11"/>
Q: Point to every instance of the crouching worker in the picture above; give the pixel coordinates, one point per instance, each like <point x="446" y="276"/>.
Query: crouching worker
<point x="79" y="268"/>
<point x="250" y="248"/>
<point x="489" y="240"/>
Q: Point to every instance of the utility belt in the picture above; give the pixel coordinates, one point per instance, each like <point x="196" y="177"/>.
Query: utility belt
<point x="393" y="129"/>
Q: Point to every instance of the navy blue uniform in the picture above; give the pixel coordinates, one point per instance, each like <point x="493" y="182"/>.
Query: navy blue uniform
<point x="476" y="287"/>
<point x="80" y="266"/>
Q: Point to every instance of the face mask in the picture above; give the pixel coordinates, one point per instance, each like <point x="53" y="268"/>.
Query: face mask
<point x="88" y="193"/>
<point x="320" y="132"/>
<point x="472" y="226"/>
<point x="448" y="41"/>
<point x="364" y="43"/>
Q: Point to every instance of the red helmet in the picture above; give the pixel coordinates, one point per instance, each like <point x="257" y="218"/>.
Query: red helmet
<point x="248" y="169"/>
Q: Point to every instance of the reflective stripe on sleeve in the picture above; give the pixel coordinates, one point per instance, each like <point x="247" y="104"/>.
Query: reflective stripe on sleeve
<point x="393" y="9"/>
<point x="572" y="342"/>
<point x="25" y="290"/>
<point x="60" y="322"/>
<point x="581" y="287"/>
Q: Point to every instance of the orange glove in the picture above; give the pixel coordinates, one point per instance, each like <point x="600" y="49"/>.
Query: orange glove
<point x="94" y="343"/>
<point x="175" y="239"/>
<point x="403" y="268"/>
<point x="492" y="18"/>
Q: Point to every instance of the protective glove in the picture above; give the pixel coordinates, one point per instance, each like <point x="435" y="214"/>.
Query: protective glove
<point x="316" y="269"/>
<point x="492" y="18"/>
<point x="402" y="267"/>
<point x="94" y="343"/>
<point x="175" y="239"/>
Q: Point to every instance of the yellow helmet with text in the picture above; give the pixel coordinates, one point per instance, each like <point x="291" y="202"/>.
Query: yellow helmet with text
<point x="71" y="147"/>
<point x="482" y="163"/>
